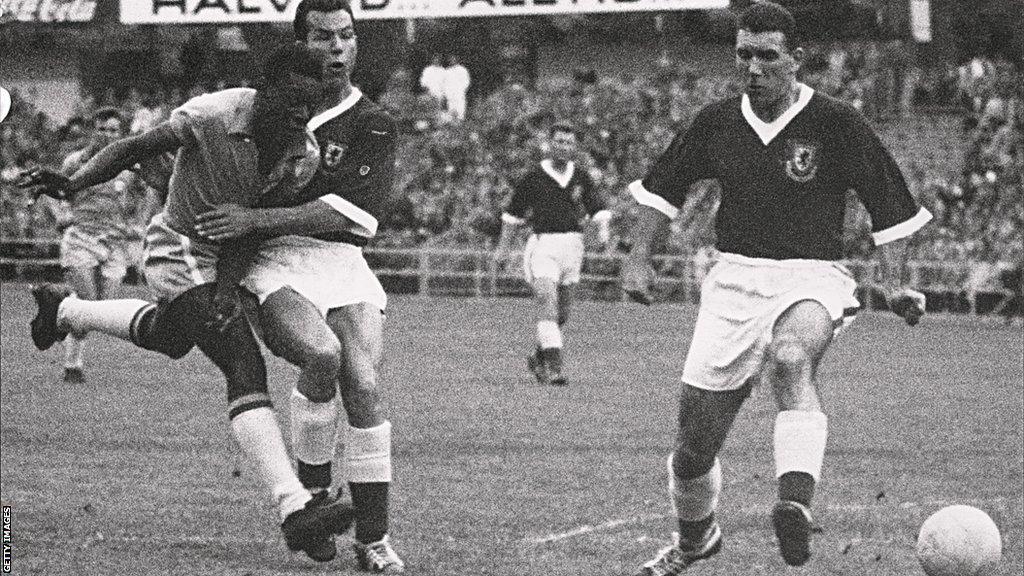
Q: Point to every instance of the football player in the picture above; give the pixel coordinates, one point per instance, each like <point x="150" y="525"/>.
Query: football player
<point x="557" y="196"/>
<point x="321" y="307"/>
<point x="785" y="157"/>
<point x="232" y="146"/>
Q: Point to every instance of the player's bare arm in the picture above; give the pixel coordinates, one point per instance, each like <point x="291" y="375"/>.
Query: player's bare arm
<point x="229" y="221"/>
<point x="891" y="276"/>
<point x="636" y="272"/>
<point x="106" y="164"/>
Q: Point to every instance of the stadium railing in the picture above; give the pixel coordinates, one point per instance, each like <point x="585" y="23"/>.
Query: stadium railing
<point x="467" y="272"/>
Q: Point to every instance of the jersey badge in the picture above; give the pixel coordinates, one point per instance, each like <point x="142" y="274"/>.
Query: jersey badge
<point x="333" y="153"/>
<point x="364" y="170"/>
<point x="801" y="160"/>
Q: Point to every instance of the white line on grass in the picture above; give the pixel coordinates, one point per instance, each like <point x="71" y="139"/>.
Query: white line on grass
<point x="990" y="503"/>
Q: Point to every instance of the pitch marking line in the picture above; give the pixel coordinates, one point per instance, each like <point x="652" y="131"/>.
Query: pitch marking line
<point x="991" y="503"/>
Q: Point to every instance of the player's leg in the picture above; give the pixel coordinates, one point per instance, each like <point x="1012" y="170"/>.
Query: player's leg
<point x="83" y="281"/>
<point x="360" y="329"/>
<point x="695" y="476"/>
<point x="294" y="330"/>
<point x="566" y="294"/>
<point x="549" y="334"/>
<point x="800" y="337"/>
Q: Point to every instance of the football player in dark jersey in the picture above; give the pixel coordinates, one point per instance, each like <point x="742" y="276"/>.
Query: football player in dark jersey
<point x="558" y="196"/>
<point x="785" y="157"/>
<point x="321" y="307"/>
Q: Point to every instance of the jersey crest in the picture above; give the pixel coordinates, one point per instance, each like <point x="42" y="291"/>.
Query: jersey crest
<point x="801" y="160"/>
<point x="333" y="153"/>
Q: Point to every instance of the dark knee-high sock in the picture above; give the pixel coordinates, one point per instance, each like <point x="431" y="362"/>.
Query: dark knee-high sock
<point x="370" y="500"/>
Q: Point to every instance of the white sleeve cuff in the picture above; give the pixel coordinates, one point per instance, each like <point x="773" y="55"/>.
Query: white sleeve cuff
<point x="510" y="219"/>
<point x="602" y="216"/>
<point x="364" y="220"/>
<point x="903" y="229"/>
<point x="646" y="198"/>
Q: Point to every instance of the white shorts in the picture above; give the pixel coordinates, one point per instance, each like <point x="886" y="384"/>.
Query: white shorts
<point x="80" y="249"/>
<point x="558" y="256"/>
<point x="742" y="298"/>
<point x="328" y="274"/>
<point x="174" y="262"/>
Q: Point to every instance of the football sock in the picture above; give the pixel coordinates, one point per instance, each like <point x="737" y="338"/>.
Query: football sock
<point x="73" y="351"/>
<point x="552" y="358"/>
<point x="370" y="500"/>
<point x="800" y="437"/>
<point x="368" y="468"/>
<point x="314" y="438"/>
<point x="694" y="499"/>
<point x="111" y="317"/>
<point x="549" y="335"/>
<point x="260" y="438"/>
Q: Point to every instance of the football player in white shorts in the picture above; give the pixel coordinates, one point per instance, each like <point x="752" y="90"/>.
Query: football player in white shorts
<point x="555" y="197"/>
<point x="785" y="157"/>
<point x="320" y="306"/>
<point x="235" y="145"/>
<point x="97" y="224"/>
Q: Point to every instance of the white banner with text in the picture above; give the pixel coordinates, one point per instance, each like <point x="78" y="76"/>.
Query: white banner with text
<point x="248" y="11"/>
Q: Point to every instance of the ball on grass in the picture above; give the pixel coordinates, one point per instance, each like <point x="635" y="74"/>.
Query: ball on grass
<point x="959" y="541"/>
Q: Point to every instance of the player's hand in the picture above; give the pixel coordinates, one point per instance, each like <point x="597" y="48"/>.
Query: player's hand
<point x="907" y="304"/>
<point x="45" y="182"/>
<point x="636" y="279"/>
<point x="227" y="221"/>
<point x="227" y="310"/>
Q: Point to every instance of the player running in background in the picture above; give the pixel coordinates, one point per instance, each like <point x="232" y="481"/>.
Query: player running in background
<point x="557" y="196"/>
<point x="321" y="307"/>
<point x="99" y="224"/>
<point x="785" y="157"/>
<point x="232" y="146"/>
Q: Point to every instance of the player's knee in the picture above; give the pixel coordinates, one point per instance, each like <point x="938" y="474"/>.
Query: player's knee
<point x="789" y="356"/>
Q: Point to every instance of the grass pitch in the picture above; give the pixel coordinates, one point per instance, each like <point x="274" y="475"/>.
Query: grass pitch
<point x="134" y="472"/>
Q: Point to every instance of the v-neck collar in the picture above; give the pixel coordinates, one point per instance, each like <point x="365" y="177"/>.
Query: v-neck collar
<point x="336" y="110"/>
<point x="561" y="178"/>
<point x="767" y="131"/>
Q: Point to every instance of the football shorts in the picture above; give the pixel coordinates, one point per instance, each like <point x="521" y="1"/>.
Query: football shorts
<point x="741" y="299"/>
<point x="173" y="262"/>
<point x="81" y="249"/>
<point x="557" y="256"/>
<point x="328" y="274"/>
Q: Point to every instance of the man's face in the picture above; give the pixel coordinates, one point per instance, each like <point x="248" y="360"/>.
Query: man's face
<point x="106" y="131"/>
<point x="767" y="66"/>
<point x="563" y="145"/>
<point x="333" y="36"/>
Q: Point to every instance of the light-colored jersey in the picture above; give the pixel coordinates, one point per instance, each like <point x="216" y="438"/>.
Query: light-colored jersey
<point x="104" y="209"/>
<point x="217" y="161"/>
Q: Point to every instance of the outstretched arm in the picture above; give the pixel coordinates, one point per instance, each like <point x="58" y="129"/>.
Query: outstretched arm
<point x="635" y="270"/>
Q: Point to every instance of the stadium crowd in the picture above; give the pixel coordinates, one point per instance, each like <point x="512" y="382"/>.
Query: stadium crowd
<point x="455" y="175"/>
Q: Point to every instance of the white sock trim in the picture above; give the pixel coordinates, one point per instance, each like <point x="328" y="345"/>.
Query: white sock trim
<point x="549" y="335"/>
<point x="799" y="438"/>
<point x="368" y="454"/>
<point x="314" y="429"/>
<point x="696" y="498"/>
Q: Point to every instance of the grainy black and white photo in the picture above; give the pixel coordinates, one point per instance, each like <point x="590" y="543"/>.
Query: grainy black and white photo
<point x="512" y="287"/>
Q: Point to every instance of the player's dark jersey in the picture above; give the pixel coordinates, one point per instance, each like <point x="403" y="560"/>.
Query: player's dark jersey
<point x="358" y="142"/>
<point x="784" y="193"/>
<point x="556" y="206"/>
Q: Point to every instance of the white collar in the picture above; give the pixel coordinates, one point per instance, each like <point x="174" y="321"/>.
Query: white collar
<point x="562" y="179"/>
<point x="767" y="131"/>
<point x="336" y="110"/>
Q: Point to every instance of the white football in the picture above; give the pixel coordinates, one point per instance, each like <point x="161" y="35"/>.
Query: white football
<point x="959" y="541"/>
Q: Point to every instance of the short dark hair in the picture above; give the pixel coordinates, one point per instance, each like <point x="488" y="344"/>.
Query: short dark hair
<point x="770" y="17"/>
<point x="107" y="113"/>
<point x="562" y="127"/>
<point x="299" y="24"/>
<point x="291" y="58"/>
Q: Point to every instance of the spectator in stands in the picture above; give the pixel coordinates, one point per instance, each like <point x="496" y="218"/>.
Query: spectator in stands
<point x="432" y="79"/>
<point x="455" y="87"/>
